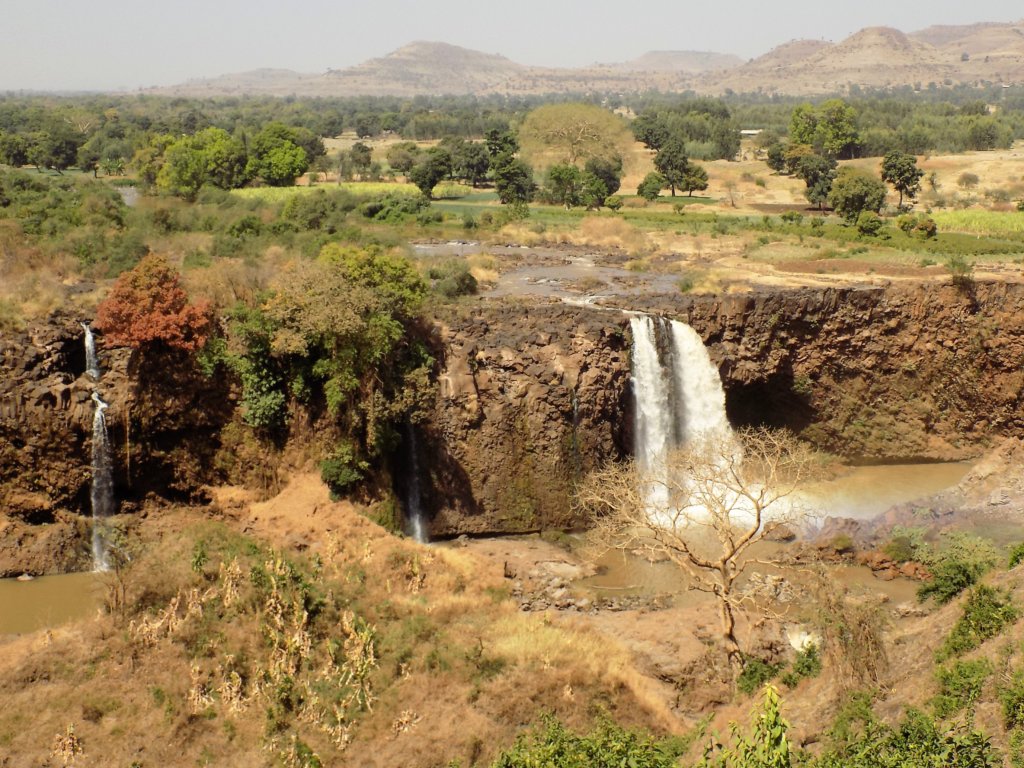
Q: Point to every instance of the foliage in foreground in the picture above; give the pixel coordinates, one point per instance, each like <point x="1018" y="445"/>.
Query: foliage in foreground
<point x="986" y="612"/>
<point x="858" y="740"/>
<point x="551" y="745"/>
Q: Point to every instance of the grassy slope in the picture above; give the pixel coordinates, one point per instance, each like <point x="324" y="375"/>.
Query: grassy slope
<point x="455" y="671"/>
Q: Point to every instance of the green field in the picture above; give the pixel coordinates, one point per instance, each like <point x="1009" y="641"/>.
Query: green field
<point x="980" y="222"/>
<point x="360" y="188"/>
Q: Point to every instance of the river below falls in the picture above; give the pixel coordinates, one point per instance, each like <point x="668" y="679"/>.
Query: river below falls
<point x="48" y="601"/>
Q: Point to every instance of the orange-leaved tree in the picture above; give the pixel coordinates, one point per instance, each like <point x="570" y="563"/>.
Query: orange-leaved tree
<point x="148" y="309"/>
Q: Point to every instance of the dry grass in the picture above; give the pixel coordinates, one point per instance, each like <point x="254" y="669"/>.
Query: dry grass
<point x="607" y="232"/>
<point x="484" y="268"/>
<point x="458" y="668"/>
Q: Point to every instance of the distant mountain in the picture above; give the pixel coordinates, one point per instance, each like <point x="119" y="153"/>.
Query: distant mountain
<point x="873" y="57"/>
<point x="881" y="57"/>
<point x="693" y="62"/>
<point x="424" y="67"/>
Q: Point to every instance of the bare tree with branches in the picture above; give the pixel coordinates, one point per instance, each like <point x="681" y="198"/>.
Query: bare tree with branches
<point x="705" y="509"/>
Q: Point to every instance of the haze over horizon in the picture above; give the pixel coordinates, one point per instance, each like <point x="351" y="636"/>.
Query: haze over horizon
<point x="50" y="45"/>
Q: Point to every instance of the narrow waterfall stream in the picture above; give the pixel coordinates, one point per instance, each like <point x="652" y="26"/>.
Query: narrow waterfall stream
<point x="415" y="524"/>
<point x="102" y="494"/>
<point x="92" y="363"/>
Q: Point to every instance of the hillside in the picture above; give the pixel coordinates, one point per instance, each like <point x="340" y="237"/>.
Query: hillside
<point x="875" y="57"/>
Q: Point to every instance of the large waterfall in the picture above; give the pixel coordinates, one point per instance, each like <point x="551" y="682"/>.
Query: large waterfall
<point x="678" y="392"/>
<point x="92" y="362"/>
<point x="413" y="496"/>
<point x="102" y="495"/>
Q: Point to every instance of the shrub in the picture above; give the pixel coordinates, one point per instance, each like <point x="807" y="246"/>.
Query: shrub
<point x="918" y="225"/>
<point x="614" y="202"/>
<point x="986" y="611"/>
<point x="869" y="223"/>
<point x="806" y="664"/>
<point x="607" y="746"/>
<point x="900" y="548"/>
<point x="1017" y="555"/>
<point x="452" y="279"/>
<point x="960" y="685"/>
<point x="147" y="307"/>
<point x="917" y="742"/>
<point x="967" y="180"/>
<point x="755" y="674"/>
<point x="961" y="271"/>
<point x="342" y="468"/>
<point x="1012" y="698"/>
<point x="949" y="579"/>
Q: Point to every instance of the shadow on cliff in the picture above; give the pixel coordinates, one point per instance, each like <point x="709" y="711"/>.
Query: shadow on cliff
<point x="779" y="401"/>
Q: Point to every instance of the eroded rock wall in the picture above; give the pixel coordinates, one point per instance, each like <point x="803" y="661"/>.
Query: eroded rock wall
<point x="906" y="372"/>
<point x="162" y="424"/>
<point x="530" y="398"/>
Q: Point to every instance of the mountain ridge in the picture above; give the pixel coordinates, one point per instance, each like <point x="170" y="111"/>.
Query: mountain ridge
<point x="875" y="56"/>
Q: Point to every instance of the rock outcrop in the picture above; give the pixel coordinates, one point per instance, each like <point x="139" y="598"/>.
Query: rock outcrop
<point x="903" y="373"/>
<point x="529" y="399"/>
<point x="531" y="396"/>
<point x="162" y="420"/>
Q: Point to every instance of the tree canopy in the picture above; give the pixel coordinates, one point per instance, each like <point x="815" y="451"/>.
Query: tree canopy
<point x="573" y="133"/>
<point x="900" y="170"/>
<point x="855" y="191"/>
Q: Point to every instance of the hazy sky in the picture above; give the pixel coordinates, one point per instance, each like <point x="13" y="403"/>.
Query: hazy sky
<point x="127" y="44"/>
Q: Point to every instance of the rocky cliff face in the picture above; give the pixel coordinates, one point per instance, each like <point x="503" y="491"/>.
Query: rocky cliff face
<point x="901" y="373"/>
<point x="529" y="399"/>
<point x="162" y="423"/>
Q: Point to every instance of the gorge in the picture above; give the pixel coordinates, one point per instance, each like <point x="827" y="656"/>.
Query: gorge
<point x="531" y="397"/>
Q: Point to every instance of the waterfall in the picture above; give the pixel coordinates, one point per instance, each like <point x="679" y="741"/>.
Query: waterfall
<point x="102" y="494"/>
<point x="92" y="363"/>
<point x="678" y="394"/>
<point x="413" y="497"/>
<point x="700" y="399"/>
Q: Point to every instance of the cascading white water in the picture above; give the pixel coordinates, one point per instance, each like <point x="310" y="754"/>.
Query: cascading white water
<point x="102" y="493"/>
<point x="413" y="495"/>
<point x="92" y="363"/>
<point x="678" y="392"/>
<point x="654" y="418"/>
<point x="700" y="398"/>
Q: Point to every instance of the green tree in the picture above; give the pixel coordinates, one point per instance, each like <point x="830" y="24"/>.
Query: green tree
<point x="362" y="158"/>
<point x="817" y="173"/>
<point x="900" y="170"/>
<point x="402" y="156"/>
<point x="830" y="128"/>
<point x="563" y="185"/>
<point x="471" y="162"/>
<point x="651" y="186"/>
<point x="513" y="180"/>
<point x="13" y="149"/>
<point x="855" y="191"/>
<point x="776" y="156"/>
<point x="608" y="170"/>
<point x="672" y="163"/>
<point x="431" y="169"/>
<point x="276" y="156"/>
<point x="211" y="156"/>
<point x="695" y="179"/>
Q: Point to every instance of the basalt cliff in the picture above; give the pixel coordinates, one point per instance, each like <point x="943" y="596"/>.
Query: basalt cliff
<point x="530" y="397"/>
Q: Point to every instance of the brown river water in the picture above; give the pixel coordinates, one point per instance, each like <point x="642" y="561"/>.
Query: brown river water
<point x="861" y="492"/>
<point x="48" y="601"/>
